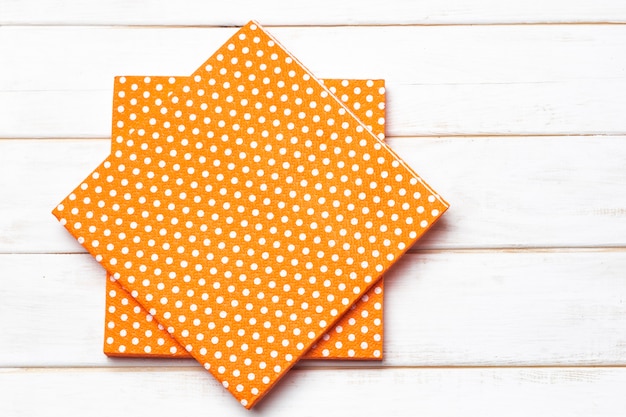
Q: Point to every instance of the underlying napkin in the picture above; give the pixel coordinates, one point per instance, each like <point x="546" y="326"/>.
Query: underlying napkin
<point x="248" y="210"/>
<point x="131" y="331"/>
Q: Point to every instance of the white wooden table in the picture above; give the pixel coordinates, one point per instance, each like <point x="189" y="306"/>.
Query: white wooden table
<point x="515" y="111"/>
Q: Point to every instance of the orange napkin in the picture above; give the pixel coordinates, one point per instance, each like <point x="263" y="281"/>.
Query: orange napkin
<point x="131" y="331"/>
<point x="247" y="210"/>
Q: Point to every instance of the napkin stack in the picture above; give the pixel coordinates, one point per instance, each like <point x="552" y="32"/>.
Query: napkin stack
<point x="246" y="215"/>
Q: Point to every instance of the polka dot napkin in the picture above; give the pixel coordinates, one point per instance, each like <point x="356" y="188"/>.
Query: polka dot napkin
<point x="131" y="331"/>
<point x="246" y="209"/>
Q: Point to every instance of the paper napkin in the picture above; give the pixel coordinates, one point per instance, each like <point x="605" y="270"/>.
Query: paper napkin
<point x="131" y="331"/>
<point x="247" y="210"/>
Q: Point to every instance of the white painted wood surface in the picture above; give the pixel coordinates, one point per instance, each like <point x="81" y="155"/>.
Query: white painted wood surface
<point x="504" y="309"/>
<point x="438" y="392"/>
<point x="505" y="192"/>
<point x="321" y="12"/>
<point x="443" y="80"/>
<point x="514" y="110"/>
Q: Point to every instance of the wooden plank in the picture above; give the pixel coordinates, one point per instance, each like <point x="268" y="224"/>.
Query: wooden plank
<point x="57" y="58"/>
<point x="447" y="80"/>
<point x="323" y="12"/>
<point x="504" y="192"/>
<point x="568" y="108"/>
<point x="465" y="308"/>
<point x="364" y="392"/>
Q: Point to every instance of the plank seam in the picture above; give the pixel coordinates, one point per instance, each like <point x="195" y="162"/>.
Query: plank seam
<point x="320" y="25"/>
<point x="396" y="137"/>
<point x="307" y="368"/>
<point x="528" y="249"/>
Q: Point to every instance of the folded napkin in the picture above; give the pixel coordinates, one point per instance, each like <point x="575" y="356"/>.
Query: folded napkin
<point x="247" y="209"/>
<point x="131" y="331"/>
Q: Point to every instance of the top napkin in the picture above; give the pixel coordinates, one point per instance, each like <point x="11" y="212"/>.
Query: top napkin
<point x="247" y="210"/>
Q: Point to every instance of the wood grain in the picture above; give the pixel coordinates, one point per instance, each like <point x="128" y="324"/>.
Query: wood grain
<point x="461" y="308"/>
<point x="397" y="392"/>
<point x="321" y="12"/>
<point x="449" y="80"/>
<point x="504" y="192"/>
